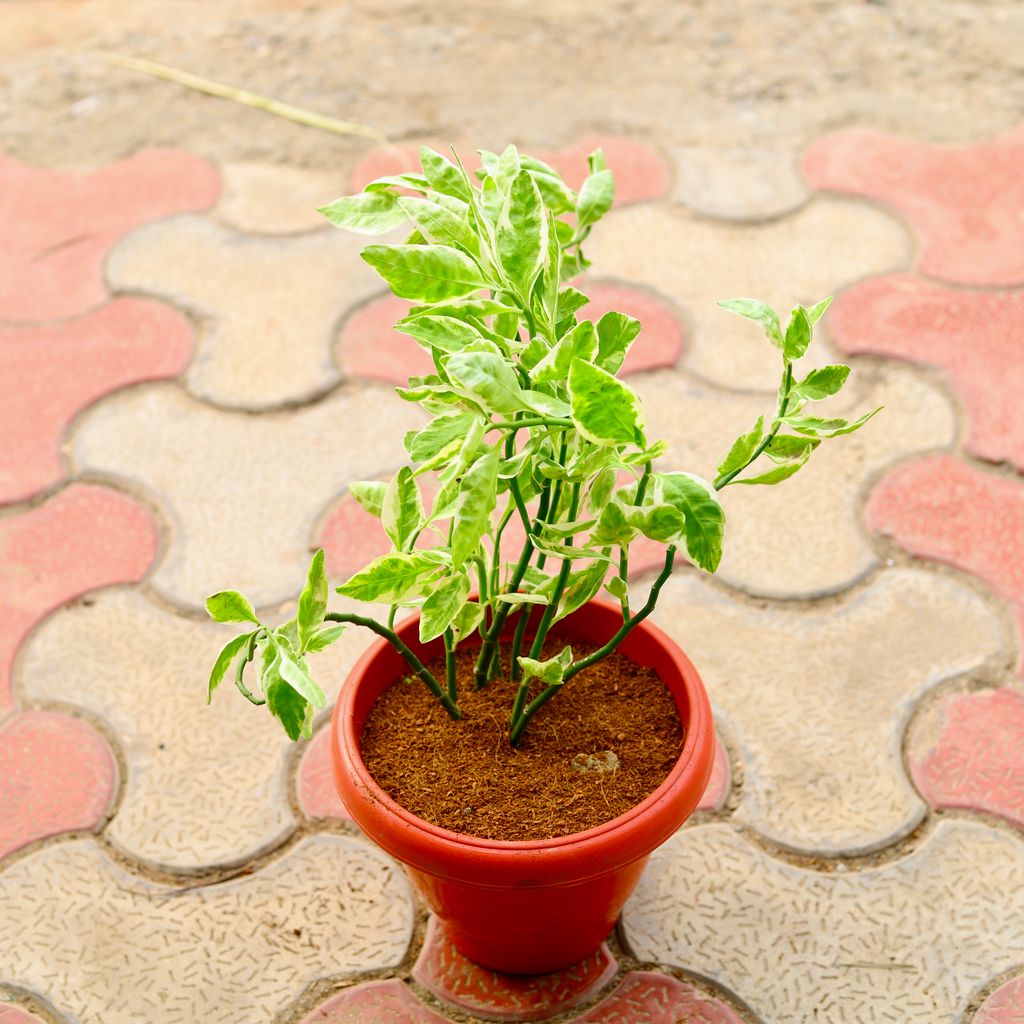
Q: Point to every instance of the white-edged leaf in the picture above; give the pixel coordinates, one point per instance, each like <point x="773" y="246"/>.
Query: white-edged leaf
<point x="596" y="197"/>
<point x="605" y="410"/>
<point x="368" y="213"/>
<point x="425" y="273"/>
<point x="443" y="604"/>
<point x="392" y="578"/>
<point x="742" y="449"/>
<point x="369" y="494"/>
<point x="230" y="606"/>
<point x="477" y="497"/>
<point x="615" y="333"/>
<point x="312" y="601"/>
<point x="224" y="660"/>
<point x="760" y="313"/>
<point x="402" y="512"/>
<point x="522" y="232"/>
<point x="705" y="519"/>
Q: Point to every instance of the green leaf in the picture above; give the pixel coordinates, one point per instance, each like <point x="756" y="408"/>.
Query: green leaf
<point x="596" y="197"/>
<point x="312" y="601"/>
<point x="760" y="313"/>
<point x="411" y="180"/>
<point x="230" y="606"/>
<point x="557" y="196"/>
<point x="604" y="409"/>
<point x="442" y="605"/>
<point x="442" y="175"/>
<point x="779" y="473"/>
<point x="815" y="313"/>
<point x="705" y="520"/>
<point x="425" y="273"/>
<point x="288" y="707"/>
<point x="798" y="334"/>
<point x="551" y="671"/>
<point x="581" y="587"/>
<point x="402" y="512"/>
<point x="613" y="528"/>
<point x="821" y="383"/>
<point x="470" y="616"/>
<point x="442" y="332"/>
<point x="478" y="493"/>
<point x="507" y="168"/>
<point x="601" y="489"/>
<point x="440" y="224"/>
<point x="223" y="662"/>
<point x="662" y="523"/>
<point x="368" y="213"/>
<point x="462" y="308"/>
<point x="369" y="494"/>
<point x="325" y="637"/>
<point x="615" y="333"/>
<point x="488" y="379"/>
<point x="616" y="586"/>
<point x="440" y="432"/>
<point x="785" y="447"/>
<point x="293" y="671"/>
<point x="816" y="427"/>
<point x="742" y="449"/>
<point x="579" y="343"/>
<point x="391" y="578"/>
<point x="570" y="300"/>
<point x="516" y="599"/>
<point x="522" y="233"/>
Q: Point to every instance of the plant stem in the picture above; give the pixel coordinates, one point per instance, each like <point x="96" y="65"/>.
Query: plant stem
<point x="396" y="641"/>
<point x="449" y="664"/>
<point x="250" y="651"/>
<point x="532" y="421"/>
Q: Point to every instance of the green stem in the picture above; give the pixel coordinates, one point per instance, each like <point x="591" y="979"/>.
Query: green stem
<point x="517" y="642"/>
<point x="449" y="664"/>
<point x="624" y="576"/>
<point x="532" y="421"/>
<point x="250" y="652"/>
<point x="396" y="641"/>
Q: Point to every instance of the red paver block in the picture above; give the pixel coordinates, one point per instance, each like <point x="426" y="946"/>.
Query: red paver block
<point x="977" y="338"/>
<point x="978" y="761"/>
<point x="1004" y="1006"/>
<point x="48" y="374"/>
<point x="56" y="774"/>
<point x="371" y="348"/>
<point x="646" y="997"/>
<point x="965" y="203"/>
<point x="85" y="537"/>
<point x="942" y="508"/>
<point x="15" y="1015"/>
<point x="315" y="789"/>
<point x="58" y="225"/>
<point x="462" y="984"/>
<point x="374" y="1002"/>
<point x="640" y="171"/>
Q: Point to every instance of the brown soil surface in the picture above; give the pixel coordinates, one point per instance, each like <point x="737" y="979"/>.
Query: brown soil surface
<point x="465" y="776"/>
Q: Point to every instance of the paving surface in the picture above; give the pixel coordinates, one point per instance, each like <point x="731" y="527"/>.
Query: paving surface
<point x="193" y="368"/>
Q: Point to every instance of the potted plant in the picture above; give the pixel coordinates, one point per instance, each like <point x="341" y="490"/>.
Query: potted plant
<point x="525" y="824"/>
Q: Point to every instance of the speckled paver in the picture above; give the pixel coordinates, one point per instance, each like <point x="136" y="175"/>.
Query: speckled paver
<point x="695" y="262"/>
<point x="267" y="477"/>
<point x="266" y="308"/>
<point x="121" y="343"/>
<point x="59" y="225"/>
<point x="275" y="199"/>
<point x="881" y="943"/>
<point x="104" y="945"/>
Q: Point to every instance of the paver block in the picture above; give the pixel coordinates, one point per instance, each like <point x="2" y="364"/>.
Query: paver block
<point x="16" y="1015"/>
<point x="474" y="990"/>
<point x="206" y="786"/>
<point x="85" y="537"/>
<point x="57" y="774"/>
<point x="764" y="554"/>
<point x="975" y="338"/>
<point x="908" y="941"/>
<point x="977" y="762"/>
<point x="1004" y="1006"/>
<point x="48" y="374"/>
<point x="694" y="262"/>
<point x="939" y="507"/>
<point x="59" y="225"/>
<point x="374" y="1002"/>
<point x="737" y="183"/>
<point x="106" y="946"/>
<point x="272" y="199"/>
<point x="816" y="699"/>
<point x="242" y="492"/>
<point x="964" y="202"/>
<point x="646" y="997"/>
<point x="268" y="307"/>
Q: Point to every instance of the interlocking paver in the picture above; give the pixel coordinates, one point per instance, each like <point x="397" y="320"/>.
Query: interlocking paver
<point x="816" y="699"/>
<point x="640" y="171"/>
<point x="242" y="492"/>
<point x="764" y="553"/>
<point x="206" y="786"/>
<point x="940" y="507"/>
<point x="907" y="941"/>
<point x="274" y="198"/>
<point x="59" y="225"/>
<point x="695" y="262"/>
<point x="974" y="337"/>
<point x="645" y="997"/>
<point x="268" y="307"/>
<point x="85" y="537"/>
<point x="15" y="1015"/>
<point x="977" y="761"/>
<point x="1004" y="1006"/>
<point x="738" y="183"/>
<point x="106" y="946"/>
<point x="368" y="346"/>
<point x="49" y="373"/>
<point x="964" y="202"/>
<point x="57" y="774"/>
<point x="474" y="990"/>
<point x="374" y="1002"/>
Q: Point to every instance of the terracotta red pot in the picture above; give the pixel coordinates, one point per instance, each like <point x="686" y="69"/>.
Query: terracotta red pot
<point x="537" y="906"/>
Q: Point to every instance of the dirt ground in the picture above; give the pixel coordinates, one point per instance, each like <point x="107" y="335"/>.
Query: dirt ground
<point x="725" y="73"/>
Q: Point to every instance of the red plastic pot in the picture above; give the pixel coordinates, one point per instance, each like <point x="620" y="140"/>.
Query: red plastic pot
<point x="537" y="906"/>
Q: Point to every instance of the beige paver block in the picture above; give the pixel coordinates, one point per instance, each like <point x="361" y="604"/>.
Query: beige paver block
<point x="267" y="307"/>
<point x="106" y="946"/>
<point x="205" y="786"/>
<point x="816" y="700"/>
<point x="910" y="941"/>
<point x="263" y="198"/>
<point x="802" y="537"/>
<point x="738" y="183"/>
<point x="241" y="493"/>
<point x="814" y="252"/>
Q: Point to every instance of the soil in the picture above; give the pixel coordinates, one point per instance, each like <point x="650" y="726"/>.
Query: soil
<point x="465" y="776"/>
